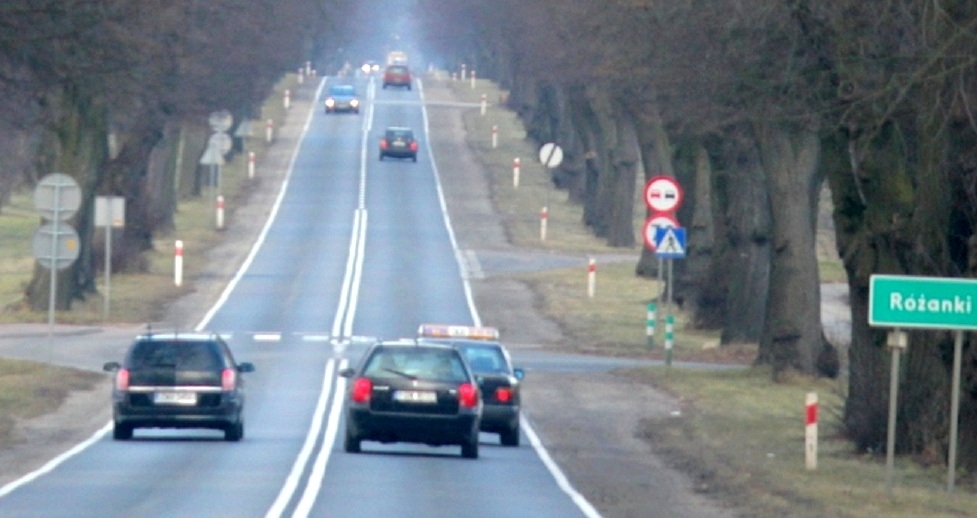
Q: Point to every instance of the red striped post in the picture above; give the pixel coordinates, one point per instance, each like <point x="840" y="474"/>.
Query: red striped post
<point x="544" y="215"/>
<point x="495" y="136"/>
<point x="484" y="104"/>
<point x="178" y="263"/>
<point x="516" y="166"/>
<point x="591" y="277"/>
<point x="220" y="212"/>
<point x="250" y="164"/>
<point x="811" y="431"/>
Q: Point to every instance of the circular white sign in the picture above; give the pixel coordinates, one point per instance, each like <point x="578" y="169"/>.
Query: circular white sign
<point x="663" y="194"/>
<point x="57" y="196"/>
<point x="653" y="223"/>
<point x="550" y="155"/>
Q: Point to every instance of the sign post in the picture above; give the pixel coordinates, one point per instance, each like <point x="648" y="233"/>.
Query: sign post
<point x="57" y="198"/>
<point x="902" y="301"/>
<point x="663" y="196"/>
<point x="109" y="213"/>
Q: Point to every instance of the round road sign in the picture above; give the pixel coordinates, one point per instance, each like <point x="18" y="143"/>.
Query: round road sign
<point x="55" y="244"/>
<point x="663" y="194"/>
<point x="550" y="155"/>
<point x="654" y="222"/>
<point x="57" y="196"/>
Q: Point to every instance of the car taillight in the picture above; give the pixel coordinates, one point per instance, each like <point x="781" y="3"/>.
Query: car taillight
<point x="383" y="143"/>
<point x="467" y="395"/>
<point x="362" y="389"/>
<point x="503" y="394"/>
<point x="122" y="379"/>
<point x="228" y="379"/>
<point x="413" y="146"/>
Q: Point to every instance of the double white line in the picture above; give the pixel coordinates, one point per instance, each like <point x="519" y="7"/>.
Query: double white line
<point x="342" y="329"/>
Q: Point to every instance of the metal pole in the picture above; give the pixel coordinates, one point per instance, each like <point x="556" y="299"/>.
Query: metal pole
<point x="669" y="319"/>
<point x="954" y="410"/>
<point x="890" y="443"/>
<point x="53" y="290"/>
<point x="108" y="262"/>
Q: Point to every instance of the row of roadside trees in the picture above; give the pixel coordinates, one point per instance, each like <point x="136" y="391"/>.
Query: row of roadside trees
<point x="755" y="107"/>
<point x="117" y="93"/>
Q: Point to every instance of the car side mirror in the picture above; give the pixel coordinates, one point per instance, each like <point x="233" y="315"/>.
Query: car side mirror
<point x="519" y="373"/>
<point x="111" y="366"/>
<point x="245" y="367"/>
<point x="348" y="372"/>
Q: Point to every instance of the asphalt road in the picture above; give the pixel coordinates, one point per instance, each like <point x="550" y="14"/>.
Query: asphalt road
<point x="362" y="248"/>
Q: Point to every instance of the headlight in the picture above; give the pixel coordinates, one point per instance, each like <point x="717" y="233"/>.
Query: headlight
<point x="354" y="103"/>
<point x="330" y="102"/>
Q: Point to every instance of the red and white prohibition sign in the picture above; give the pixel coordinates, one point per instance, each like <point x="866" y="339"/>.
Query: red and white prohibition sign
<point x="663" y="194"/>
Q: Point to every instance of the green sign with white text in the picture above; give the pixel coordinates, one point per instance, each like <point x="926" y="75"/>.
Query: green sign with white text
<point x="922" y="302"/>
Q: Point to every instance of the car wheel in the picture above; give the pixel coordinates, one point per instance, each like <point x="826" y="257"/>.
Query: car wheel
<point x="121" y="432"/>
<point x="469" y="450"/>
<point x="414" y="158"/>
<point x="351" y="444"/>
<point x="234" y="432"/>
<point x="381" y="157"/>
<point x="510" y="437"/>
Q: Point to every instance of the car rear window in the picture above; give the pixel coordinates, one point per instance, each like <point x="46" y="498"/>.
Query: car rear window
<point x="416" y="363"/>
<point x="485" y="359"/>
<point x="342" y="90"/>
<point x="181" y="355"/>
<point x="403" y="134"/>
<point x="397" y="70"/>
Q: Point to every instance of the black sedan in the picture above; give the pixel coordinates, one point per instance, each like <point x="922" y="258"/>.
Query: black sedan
<point x="417" y="393"/>
<point x="178" y="380"/>
<point x="398" y="142"/>
<point x="498" y="380"/>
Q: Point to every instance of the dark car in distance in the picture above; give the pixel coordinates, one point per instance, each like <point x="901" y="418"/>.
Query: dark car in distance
<point x="404" y="391"/>
<point x="178" y="380"/>
<point x="498" y="381"/>
<point x="398" y="142"/>
<point x="397" y="75"/>
<point x="342" y="98"/>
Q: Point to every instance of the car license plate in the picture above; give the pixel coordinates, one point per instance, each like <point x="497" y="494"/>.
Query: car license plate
<point x="398" y="143"/>
<point x="175" y="398"/>
<point x="415" y="396"/>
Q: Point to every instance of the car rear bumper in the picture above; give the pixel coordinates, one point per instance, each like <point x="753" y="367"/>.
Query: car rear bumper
<point x="499" y="418"/>
<point x="143" y="414"/>
<point x="368" y="425"/>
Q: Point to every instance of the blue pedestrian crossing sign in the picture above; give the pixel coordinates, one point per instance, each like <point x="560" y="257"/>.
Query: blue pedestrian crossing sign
<point x="670" y="242"/>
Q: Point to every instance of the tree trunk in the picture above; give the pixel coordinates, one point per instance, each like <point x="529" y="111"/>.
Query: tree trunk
<point x="793" y="335"/>
<point x="78" y="148"/>
<point x="656" y="155"/>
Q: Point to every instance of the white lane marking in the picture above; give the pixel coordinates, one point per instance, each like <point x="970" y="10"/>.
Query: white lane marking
<point x="342" y="327"/>
<point x="267" y="337"/>
<point x="75" y="450"/>
<point x="292" y="482"/>
<point x="561" y="479"/>
<point x="53" y="463"/>
<point x="316" y="338"/>
<point x="305" y="504"/>
<point x="544" y="455"/>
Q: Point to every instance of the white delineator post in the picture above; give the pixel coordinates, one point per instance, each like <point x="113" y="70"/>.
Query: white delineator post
<point x="178" y="263"/>
<point x="484" y="103"/>
<point x="473" y="79"/>
<point x="495" y="136"/>
<point x="250" y="164"/>
<point x="591" y="277"/>
<point x="287" y="99"/>
<point x="543" y="216"/>
<point x="269" y="131"/>
<point x="515" y="172"/>
<point x="811" y="431"/>
<point x="220" y="212"/>
<point x="301" y="75"/>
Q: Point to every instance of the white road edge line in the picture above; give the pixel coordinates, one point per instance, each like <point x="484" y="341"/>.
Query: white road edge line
<point x="75" y="450"/>
<point x="561" y="480"/>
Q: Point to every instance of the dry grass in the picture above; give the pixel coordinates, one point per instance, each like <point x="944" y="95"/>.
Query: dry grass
<point x="740" y="435"/>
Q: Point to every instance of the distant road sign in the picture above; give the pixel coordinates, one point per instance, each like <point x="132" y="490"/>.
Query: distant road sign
<point x="650" y="230"/>
<point x="663" y="194"/>
<point x="55" y="245"/>
<point x="670" y="242"/>
<point x="922" y="302"/>
<point x="550" y="155"/>
<point x="57" y="196"/>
